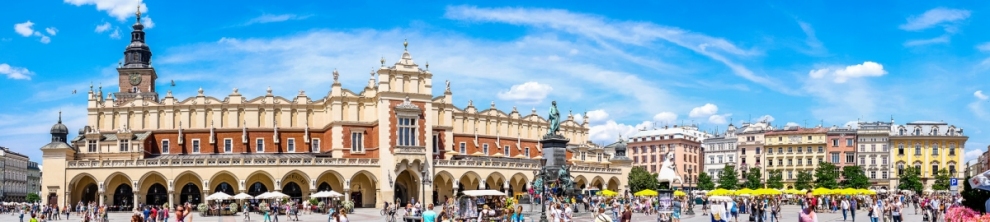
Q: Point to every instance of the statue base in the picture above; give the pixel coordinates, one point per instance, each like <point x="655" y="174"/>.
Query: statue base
<point x="554" y="151"/>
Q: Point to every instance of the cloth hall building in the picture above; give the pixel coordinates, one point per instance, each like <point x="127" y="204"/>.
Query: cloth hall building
<point x="374" y="145"/>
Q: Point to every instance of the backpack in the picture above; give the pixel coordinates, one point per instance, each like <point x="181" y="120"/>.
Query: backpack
<point x="734" y="209"/>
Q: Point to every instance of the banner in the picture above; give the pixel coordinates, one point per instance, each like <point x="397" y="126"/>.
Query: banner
<point x="666" y="201"/>
<point x="980" y="181"/>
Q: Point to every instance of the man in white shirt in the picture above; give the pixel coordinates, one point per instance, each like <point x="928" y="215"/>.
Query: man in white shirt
<point x="568" y="213"/>
<point x="845" y="207"/>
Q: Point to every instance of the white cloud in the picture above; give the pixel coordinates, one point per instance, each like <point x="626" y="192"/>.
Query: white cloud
<point x="115" y="34"/>
<point x="984" y="47"/>
<point x="979" y="94"/>
<point x="15" y="72"/>
<point x="526" y="93"/>
<point x="45" y="39"/>
<point x="51" y="31"/>
<point x="24" y="29"/>
<point x="792" y="124"/>
<point x="269" y="18"/>
<point x="702" y="111"/>
<point x="767" y="118"/>
<point x="719" y="119"/>
<point x="147" y="22"/>
<point x="934" y="17"/>
<point x="972" y="154"/>
<point x="103" y="27"/>
<point x="610" y="131"/>
<point x="920" y="42"/>
<point x="815" y="46"/>
<point x="600" y="29"/>
<point x="665" y="117"/>
<point x="120" y="9"/>
<point x="867" y="69"/>
<point x="852" y="124"/>
<point x="597" y="116"/>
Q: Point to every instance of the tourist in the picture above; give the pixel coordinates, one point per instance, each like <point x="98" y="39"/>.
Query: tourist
<point x="247" y="212"/>
<point x="517" y="215"/>
<point x="342" y="216"/>
<point x="807" y="213"/>
<point x="895" y="211"/>
<point x="626" y="215"/>
<point x="676" y="215"/>
<point x="602" y="217"/>
<point x="429" y="215"/>
<point x="844" y="204"/>
<point x="568" y="213"/>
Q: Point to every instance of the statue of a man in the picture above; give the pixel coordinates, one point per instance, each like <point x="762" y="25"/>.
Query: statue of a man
<point x="554" y="120"/>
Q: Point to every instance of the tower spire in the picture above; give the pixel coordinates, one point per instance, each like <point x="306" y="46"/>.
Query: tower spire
<point x="138" y="14"/>
<point x="60" y="116"/>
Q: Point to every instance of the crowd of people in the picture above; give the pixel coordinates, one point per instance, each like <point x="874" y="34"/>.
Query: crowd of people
<point x="886" y="207"/>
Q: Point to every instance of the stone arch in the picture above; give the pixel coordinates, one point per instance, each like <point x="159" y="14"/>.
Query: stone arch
<point x="222" y="177"/>
<point x="495" y="181"/>
<point x="119" y="190"/>
<point x="363" y="185"/>
<point x="332" y="179"/>
<point x="188" y="185"/>
<point x="518" y="183"/>
<point x="145" y="184"/>
<point x="115" y="179"/>
<point x="443" y="185"/>
<point x="469" y="181"/>
<point x="613" y="184"/>
<point x="85" y="188"/>
<point x="407" y="186"/>
<point x="262" y="177"/>
<point x="302" y="181"/>
<point x="581" y="182"/>
<point x="598" y="182"/>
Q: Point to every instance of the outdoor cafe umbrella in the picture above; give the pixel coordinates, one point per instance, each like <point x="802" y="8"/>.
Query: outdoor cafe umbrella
<point x="218" y="196"/>
<point x="243" y="196"/>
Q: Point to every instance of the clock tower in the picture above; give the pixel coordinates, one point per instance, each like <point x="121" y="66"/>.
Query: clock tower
<point x="136" y="76"/>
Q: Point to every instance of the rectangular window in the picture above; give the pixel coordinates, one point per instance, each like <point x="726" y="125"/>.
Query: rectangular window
<point x="316" y="145"/>
<point x="165" y="146"/>
<point x="407" y="132"/>
<point x="790" y="174"/>
<point x="484" y="148"/>
<point x="790" y="162"/>
<point x="873" y="147"/>
<point x="835" y="158"/>
<point x="935" y="150"/>
<point x="821" y="149"/>
<point x="291" y="145"/>
<point x="934" y="169"/>
<point x="463" y="148"/>
<point x="780" y="162"/>
<point x="900" y="169"/>
<point x="743" y="151"/>
<point x="850" y="158"/>
<point x="862" y="148"/>
<point x="862" y="160"/>
<point x="900" y="149"/>
<point x="527" y="151"/>
<point x="884" y="162"/>
<point x="506" y="150"/>
<point x="790" y="149"/>
<point x="849" y="142"/>
<point x="952" y="149"/>
<point x="124" y="145"/>
<point x="436" y="143"/>
<point x="809" y="149"/>
<point x="260" y="145"/>
<point x="809" y="137"/>
<point x="719" y="159"/>
<point x="228" y="145"/>
<point x="884" y="174"/>
<point x="357" y="142"/>
<point x="635" y="159"/>
<point x="780" y="150"/>
<point x="917" y="149"/>
<point x="92" y="146"/>
<point x="835" y="142"/>
<point x="757" y="150"/>
<point x="195" y="146"/>
<point x="873" y="161"/>
<point x="873" y="174"/>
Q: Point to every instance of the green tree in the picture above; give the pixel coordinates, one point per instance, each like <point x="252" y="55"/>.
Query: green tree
<point x="705" y="182"/>
<point x="640" y="179"/>
<point x="33" y="197"/>
<point x="753" y="178"/>
<point x="776" y="179"/>
<point x="826" y="176"/>
<point x="855" y="177"/>
<point x="974" y="198"/>
<point x="941" y="180"/>
<point x="728" y="179"/>
<point x="910" y="180"/>
<point x="803" y="180"/>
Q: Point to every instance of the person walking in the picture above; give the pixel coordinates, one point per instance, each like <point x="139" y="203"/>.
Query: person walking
<point x="845" y="207"/>
<point x="247" y="212"/>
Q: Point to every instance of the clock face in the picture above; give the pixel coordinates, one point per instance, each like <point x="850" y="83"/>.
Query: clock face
<point x="135" y="78"/>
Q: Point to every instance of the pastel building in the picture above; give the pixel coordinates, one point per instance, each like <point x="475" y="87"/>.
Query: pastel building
<point x="929" y="147"/>
<point x="649" y="147"/>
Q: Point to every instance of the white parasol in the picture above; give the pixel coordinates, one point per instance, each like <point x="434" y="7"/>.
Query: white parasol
<point x="243" y="196"/>
<point x="218" y="196"/>
<point x="326" y="194"/>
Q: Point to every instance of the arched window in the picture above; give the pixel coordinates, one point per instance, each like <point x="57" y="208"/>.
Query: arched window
<point x="900" y="168"/>
<point x="934" y="131"/>
<point x="917" y="131"/>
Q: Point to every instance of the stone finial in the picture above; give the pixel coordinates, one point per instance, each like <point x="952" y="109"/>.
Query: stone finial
<point x="372" y="73"/>
<point x="534" y="110"/>
<point x="514" y="109"/>
<point x="168" y="93"/>
<point x="470" y="103"/>
<point x="302" y="92"/>
<point x="493" y="104"/>
<point x="269" y="90"/>
<point x="383" y="61"/>
<point x="448" y="85"/>
<point x="200" y="91"/>
<point x="335" y="75"/>
<point x="235" y="90"/>
<point x="427" y="65"/>
<point x="405" y="44"/>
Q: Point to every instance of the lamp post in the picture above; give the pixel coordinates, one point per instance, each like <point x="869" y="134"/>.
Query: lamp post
<point x="426" y="182"/>
<point x="542" y="174"/>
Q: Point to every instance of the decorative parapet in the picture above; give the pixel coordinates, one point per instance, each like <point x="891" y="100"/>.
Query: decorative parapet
<point x="220" y="161"/>
<point x="486" y="164"/>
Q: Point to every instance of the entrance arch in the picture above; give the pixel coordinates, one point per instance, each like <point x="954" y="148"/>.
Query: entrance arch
<point x="470" y="181"/>
<point x="225" y="188"/>
<point x="362" y="189"/>
<point x="613" y="184"/>
<point x="301" y="181"/>
<point x="157" y="195"/>
<point x="190" y="193"/>
<point x="495" y="181"/>
<point x="226" y="182"/>
<point x="517" y="184"/>
<point x="122" y="196"/>
<point x="261" y="177"/>
<point x="406" y="187"/>
<point x="84" y="189"/>
<point x="294" y="191"/>
<point x="443" y="186"/>
<point x="257" y="188"/>
<point x="330" y="180"/>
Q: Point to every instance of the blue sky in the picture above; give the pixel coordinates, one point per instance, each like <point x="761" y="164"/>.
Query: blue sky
<point x="627" y="65"/>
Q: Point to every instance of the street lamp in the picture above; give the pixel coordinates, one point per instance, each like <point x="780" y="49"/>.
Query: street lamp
<point x="426" y="182"/>
<point x="542" y="174"/>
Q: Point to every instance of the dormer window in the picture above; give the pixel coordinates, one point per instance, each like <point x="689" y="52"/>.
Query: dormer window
<point x="935" y="131"/>
<point x="917" y="131"/>
<point x="903" y="131"/>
